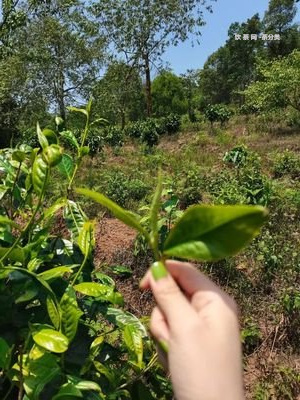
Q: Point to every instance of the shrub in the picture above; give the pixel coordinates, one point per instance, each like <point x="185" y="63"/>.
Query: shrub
<point x="190" y="188"/>
<point x="123" y="189"/>
<point x="287" y="164"/>
<point x="237" y="156"/>
<point x="147" y="131"/>
<point x="63" y="332"/>
<point x="169" y="124"/>
<point x="114" y="136"/>
<point x="217" y="113"/>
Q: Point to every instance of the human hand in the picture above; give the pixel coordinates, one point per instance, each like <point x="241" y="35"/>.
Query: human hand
<point x="198" y="323"/>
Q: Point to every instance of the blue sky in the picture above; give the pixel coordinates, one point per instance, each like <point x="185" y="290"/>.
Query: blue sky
<point x="214" y="33"/>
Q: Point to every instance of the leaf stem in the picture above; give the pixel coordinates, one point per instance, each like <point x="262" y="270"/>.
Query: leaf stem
<point x="80" y="269"/>
<point x="13" y="188"/>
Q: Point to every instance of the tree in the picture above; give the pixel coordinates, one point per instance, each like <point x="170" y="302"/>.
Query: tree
<point x="279" y="19"/>
<point x="191" y="92"/>
<point x="168" y="94"/>
<point x="119" y="94"/>
<point x="62" y="52"/>
<point x="142" y="29"/>
<point x="279" y="84"/>
<point x="230" y="69"/>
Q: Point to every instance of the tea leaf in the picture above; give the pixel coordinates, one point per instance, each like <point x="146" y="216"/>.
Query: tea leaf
<point x="56" y="272"/>
<point x="71" y="313"/>
<point x="42" y="138"/>
<point x="55" y="207"/>
<point x="67" y="391"/>
<point x="80" y="110"/>
<point x="4" y="353"/>
<point x="19" y="156"/>
<point x="7" y="221"/>
<point x="93" y="289"/>
<point x="213" y="232"/>
<point x="75" y="218"/>
<point x="51" y="340"/>
<point x="70" y="137"/>
<point x="86" y="238"/>
<point x="154" y="210"/>
<point x="134" y="342"/>
<point x="39" y="173"/>
<point x="17" y="254"/>
<point x="83" y="384"/>
<point x="121" y="319"/>
<point x="66" y="166"/>
<point x="123" y="215"/>
<point x="53" y="312"/>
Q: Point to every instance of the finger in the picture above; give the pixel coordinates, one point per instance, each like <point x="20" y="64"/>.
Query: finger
<point x="145" y="283"/>
<point x="189" y="278"/>
<point x="198" y="286"/>
<point x="158" y="326"/>
<point x="171" y="301"/>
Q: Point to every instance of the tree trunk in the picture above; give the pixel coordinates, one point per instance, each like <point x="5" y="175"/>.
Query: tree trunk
<point x="148" y="85"/>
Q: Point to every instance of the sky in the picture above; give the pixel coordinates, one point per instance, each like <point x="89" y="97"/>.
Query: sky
<point x="214" y="33"/>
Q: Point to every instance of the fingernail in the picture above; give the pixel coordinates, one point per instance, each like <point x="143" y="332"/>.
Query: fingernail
<point x="158" y="270"/>
<point x="163" y="345"/>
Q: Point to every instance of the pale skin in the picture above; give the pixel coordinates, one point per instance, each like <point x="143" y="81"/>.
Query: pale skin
<point x="199" y="324"/>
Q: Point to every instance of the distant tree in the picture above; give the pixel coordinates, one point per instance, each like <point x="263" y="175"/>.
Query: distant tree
<point x="231" y="68"/>
<point x="119" y="94"/>
<point x="143" y="29"/>
<point x="168" y="94"/>
<point x="279" y="84"/>
<point x="191" y="92"/>
<point x="279" y="19"/>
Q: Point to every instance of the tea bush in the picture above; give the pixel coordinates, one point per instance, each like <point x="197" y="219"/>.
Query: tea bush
<point x="287" y="164"/>
<point x="123" y="189"/>
<point x="217" y="113"/>
<point x="64" y="333"/>
<point x="148" y="131"/>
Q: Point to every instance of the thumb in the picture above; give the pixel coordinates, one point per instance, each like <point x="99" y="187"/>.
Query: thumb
<point x="171" y="301"/>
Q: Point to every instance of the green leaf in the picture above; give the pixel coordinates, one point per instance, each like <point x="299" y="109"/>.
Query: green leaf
<point x="19" y="156"/>
<point x="7" y="221"/>
<point x="42" y="138"/>
<point x="54" y="273"/>
<point x="67" y="392"/>
<point x="60" y="203"/>
<point x="121" y="270"/>
<point x="50" y="136"/>
<point x="39" y="174"/>
<point x="122" y="319"/>
<point x="40" y="372"/>
<point x="210" y="233"/>
<point x="86" y="239"/>
<point x="51" y="340"/>
<point x="154" y="210"/>
<point x="17" y="254"/>
<point x="28" y="291"/>
<point x="123" y="215"/>
<point x="53" y="312"/>
<point x="84" y="385"/>
<point x="4" y="353"/>
<point x="134" y="342"/>
<point x="80" y="110"/>
<point x="70" y="137"/>
<point x="71" y="313"/>
<point x="75" y="218"/>
<point x="66" y="166"/>
<point x="93" y="289"/>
